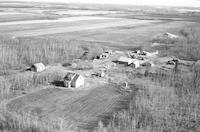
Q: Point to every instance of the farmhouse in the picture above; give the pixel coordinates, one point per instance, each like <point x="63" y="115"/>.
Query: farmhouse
<point x="125" y="60"/>
<point x="73" y="80"/>
<point x="38" y="67"/>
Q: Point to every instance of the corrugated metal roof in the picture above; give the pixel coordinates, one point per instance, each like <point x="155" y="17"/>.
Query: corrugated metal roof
<point x="39" y="67"/>
<point x="125" y="59"/>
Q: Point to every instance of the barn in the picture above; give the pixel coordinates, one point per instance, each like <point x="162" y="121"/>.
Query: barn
<point x="73" y="80"/>
<point x="38" y="67"/>
<point x="125" y="60"/>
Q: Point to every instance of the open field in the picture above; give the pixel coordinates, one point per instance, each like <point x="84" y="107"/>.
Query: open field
<point x="113" y="23"/>
<point x="77" y="108"/>
<point x="68" y="38"/>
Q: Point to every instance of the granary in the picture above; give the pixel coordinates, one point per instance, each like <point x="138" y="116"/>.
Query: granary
<point x="38" y="67"/>
<point x="73" y="80"/>
<point x="125" y="60"/>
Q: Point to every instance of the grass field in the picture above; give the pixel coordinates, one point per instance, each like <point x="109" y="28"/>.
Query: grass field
<point x="61" y="36"/>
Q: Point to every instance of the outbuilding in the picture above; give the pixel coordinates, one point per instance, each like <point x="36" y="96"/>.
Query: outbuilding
<point x="73" y="80"/>
<point x="171" y="36"/>
<point x="38" y="67"/>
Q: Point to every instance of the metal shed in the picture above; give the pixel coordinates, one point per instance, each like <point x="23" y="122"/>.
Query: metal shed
<point x="38" y="67"/>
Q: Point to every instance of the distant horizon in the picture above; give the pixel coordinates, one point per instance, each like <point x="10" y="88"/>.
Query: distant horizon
<point x="169" y="3"/>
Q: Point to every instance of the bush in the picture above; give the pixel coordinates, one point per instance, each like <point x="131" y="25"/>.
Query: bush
<point x="188" y="48"/>
<point x="83" y="65"/>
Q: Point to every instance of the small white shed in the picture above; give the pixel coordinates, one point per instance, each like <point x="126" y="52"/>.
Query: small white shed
<point x="38" y="67"/>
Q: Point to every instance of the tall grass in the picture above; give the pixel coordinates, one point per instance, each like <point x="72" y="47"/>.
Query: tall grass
<point x="159" y="108"/>
<point x="26" y="122"/>
<point x="16" y="53"/>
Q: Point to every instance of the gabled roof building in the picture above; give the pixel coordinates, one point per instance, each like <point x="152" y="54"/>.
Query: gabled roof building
<point x="73" y="80"/>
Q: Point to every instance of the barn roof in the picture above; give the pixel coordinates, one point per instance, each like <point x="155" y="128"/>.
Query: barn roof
<point x="71" y="76"/>
<point x="125" y="59"/>
<point x="39" y="65"/>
